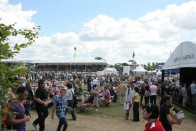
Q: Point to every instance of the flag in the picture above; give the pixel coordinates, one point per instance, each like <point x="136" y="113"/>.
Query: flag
<point x="133" y="55"/>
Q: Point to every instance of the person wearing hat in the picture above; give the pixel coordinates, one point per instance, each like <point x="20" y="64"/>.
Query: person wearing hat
<point x="151" y="113"/>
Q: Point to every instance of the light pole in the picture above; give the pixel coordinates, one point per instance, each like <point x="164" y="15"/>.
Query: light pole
<point x="74" y="53"/>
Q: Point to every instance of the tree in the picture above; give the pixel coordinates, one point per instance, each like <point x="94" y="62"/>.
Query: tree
<point x="150" y="67"/>
<point x="7" y="51"/>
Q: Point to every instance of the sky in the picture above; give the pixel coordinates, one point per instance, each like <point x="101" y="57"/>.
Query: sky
<point x="111" y="29"/>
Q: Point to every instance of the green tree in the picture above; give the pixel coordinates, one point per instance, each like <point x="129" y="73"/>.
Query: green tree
<point x="150" y="67"/>
<point x="7" y="51"/>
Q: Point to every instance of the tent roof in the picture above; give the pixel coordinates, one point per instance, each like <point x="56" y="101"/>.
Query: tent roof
<point x="139" y="69"/>
<point x="183" y="56"/>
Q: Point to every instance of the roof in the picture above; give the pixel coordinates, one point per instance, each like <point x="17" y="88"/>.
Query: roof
<point x="183" y="56"/>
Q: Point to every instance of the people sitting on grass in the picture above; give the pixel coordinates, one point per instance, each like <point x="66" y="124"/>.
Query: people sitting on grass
<point x="106" y="94"/>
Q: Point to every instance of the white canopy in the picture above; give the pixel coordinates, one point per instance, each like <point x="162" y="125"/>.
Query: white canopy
<point x="159" y="73"/>
<point x="140" y="69"/>
<point x="108" y="71"/>
<point x="183" y="56"/>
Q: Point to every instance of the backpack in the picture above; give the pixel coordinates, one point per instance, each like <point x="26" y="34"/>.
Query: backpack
<point x="147" y="93"/>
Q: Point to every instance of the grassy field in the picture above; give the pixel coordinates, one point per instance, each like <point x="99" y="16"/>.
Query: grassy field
<point x="110" y="118"/>
<point x="115" y="110"/>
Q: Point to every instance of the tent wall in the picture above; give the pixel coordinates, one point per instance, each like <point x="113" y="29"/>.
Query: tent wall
<point x="187" y="75"/>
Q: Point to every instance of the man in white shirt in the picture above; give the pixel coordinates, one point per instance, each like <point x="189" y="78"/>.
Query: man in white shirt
<point x="70" y="100"/>
<point x="128" y="99"/>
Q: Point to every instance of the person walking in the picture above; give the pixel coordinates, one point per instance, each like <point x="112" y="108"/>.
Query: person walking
<point x="18" y="119"/>
<point x="40" y="106"/>
<point x="151" y="114"/>
<point x="60" y="105"/>
<point x="165" y="117"/>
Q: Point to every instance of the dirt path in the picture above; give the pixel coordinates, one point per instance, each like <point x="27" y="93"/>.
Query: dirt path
<point x="92" y="123"/>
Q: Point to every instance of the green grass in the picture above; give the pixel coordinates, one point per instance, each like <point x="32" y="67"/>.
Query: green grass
<point x="115" y="110"/>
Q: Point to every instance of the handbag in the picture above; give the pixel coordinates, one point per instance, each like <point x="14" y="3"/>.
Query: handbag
<point x="126" y="105"/>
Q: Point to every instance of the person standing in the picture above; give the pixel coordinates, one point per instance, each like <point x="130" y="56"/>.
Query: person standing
<point x="147" y="94"/>
<point x="40" y="106"/>
<point x="128" y="99"/>
<point x="193" y="93"/>
<point x="60" y="105"/>
<point x="136" y="99"/>
<point x="142" y="93"/>
<point x="70" y="99"/>
<point x="184" y="94"/>
<point x="165" y="117"/>
<point x="151" y="114"/>
<point x="18" y="119"/>
<point x="153" y="93"/>
<point x="122" y="90"/>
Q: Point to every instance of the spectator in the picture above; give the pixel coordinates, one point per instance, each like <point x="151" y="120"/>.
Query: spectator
<point x="147" y="94"/>
<point x="128" y="99"/>
<point x="60" y="105"/>
<point x="165" y="117"/>
<point x="142" y="93"/>
<point x="18" y="119"/>
<point x="193" y="93"/>
<point x="70" y="99"/>
<point x="184" y="94"/>
<point x="136" y="99"/>
<point x="106" y="95"/>
<point x="40" y="106"/>
<point x="151" y="113"/>
<point x="153" y="93"/>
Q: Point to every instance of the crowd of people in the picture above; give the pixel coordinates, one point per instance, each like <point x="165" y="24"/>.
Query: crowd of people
<point x="62" y="92"/>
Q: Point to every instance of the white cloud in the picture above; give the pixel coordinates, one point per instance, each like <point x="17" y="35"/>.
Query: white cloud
<point x="11" y="14"/>
<point x="152" y="37"/>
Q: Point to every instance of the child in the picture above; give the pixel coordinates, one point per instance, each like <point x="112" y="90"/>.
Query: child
<point x="60" y="104"/>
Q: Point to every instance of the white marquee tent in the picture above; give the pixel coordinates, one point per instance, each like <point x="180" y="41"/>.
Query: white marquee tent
<point x="107" y="71"/>
<point x="139" y="69"/>
<point x="183" y="56"/>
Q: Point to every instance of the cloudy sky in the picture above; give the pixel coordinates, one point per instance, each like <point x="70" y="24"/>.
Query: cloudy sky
<point x="111" y="29"/>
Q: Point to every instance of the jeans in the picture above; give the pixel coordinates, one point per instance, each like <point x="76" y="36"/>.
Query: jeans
<point x="62" y="122"/>
<point x="70" y="104"/>
<point x="42" y="115"/>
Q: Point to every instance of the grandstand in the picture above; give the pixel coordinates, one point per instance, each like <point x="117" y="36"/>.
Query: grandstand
<point x="63" y="66"/>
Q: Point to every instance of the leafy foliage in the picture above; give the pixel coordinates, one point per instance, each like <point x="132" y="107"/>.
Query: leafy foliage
<point x="150" y="67"/>
<point x="8" y="51"/>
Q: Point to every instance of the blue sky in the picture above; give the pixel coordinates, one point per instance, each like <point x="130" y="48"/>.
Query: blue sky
<point x="69" y="15"/>
<point x="111" y="29"/>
